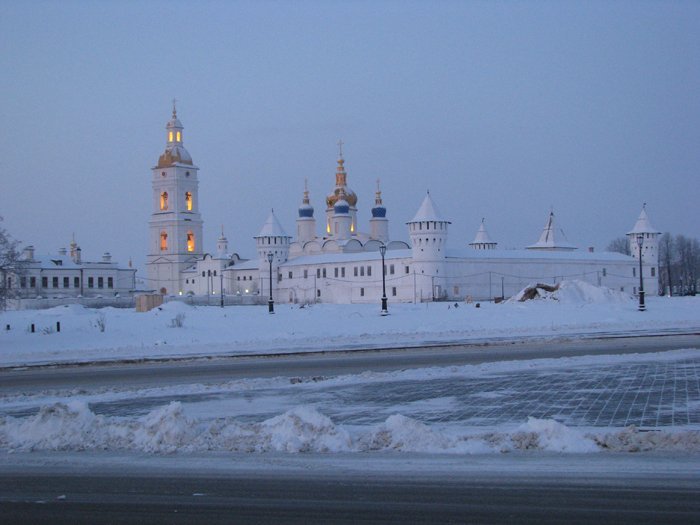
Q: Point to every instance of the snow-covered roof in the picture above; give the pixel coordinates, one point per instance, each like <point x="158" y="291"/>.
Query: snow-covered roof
<point x="428" y="212"/>
<point x="272" y="227"/>
<point x="482" y="236"/>
<point x="250" y="264"/>
<point x="552" y="238"/>
<point x="553" y="255"/>
<point x="342" y="258"/>
<point x="643" y="225"/>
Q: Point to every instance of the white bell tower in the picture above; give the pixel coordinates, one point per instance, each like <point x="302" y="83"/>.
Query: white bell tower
<point x="175" y="228"/>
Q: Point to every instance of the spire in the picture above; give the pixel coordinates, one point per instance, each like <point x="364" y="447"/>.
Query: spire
<point x="174" y="109"/>
<point x="341" y="182"/>
<point x="379" y="211"/>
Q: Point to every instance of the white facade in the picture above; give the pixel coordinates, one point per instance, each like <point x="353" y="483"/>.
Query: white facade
<point x="343" y="264"/>
<point x="67" y="275"/>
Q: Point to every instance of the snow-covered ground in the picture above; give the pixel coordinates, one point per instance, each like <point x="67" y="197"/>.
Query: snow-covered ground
<point x="576" y="310"/>
<point x="629" y="403"/>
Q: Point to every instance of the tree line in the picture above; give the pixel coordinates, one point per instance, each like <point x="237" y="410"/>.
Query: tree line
<point x="679" y="262"/>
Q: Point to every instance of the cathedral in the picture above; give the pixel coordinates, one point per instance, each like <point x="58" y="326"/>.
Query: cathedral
<point x="343" y="264"/>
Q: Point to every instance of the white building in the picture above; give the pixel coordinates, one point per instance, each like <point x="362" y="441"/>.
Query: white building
<point x="344" y="264"/>
<point x="67" y="275"/>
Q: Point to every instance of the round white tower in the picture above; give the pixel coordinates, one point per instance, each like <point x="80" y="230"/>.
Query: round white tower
<point x="271" y="241"/>
<point x="649" y="236"/>
<point x="428" y="232"/>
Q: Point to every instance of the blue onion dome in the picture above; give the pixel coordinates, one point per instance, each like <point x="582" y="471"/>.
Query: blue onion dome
<point x="341" y="206"/>
<point x="306" y="210"/>
<point x="379" y="212"/>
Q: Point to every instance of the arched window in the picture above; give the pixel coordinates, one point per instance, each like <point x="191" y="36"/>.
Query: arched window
<point x="188" y="200"/>
<point x="170" y="136"/>
<point x="190" y="241"/>
<point x="178" y="136"/>
<point x="163" y="241"/>
<point x="164" y="200"/>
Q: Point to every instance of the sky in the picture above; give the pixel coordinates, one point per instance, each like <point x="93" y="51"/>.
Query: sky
<point x="503" y="110"/>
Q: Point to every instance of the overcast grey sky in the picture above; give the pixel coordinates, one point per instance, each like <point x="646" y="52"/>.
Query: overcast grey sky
<point x="501" y="109"/>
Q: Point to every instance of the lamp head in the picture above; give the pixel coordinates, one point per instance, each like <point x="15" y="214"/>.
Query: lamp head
<point x="269" y="257"/>
<point x="640" y="239"/>
<point x="382" y="249"/>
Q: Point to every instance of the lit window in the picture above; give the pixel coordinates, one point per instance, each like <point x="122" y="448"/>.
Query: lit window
<point x="188" y="200"/>
<point x="170" y="136"/>
<point x="178" y="136"/>
<point x="163" y="241"/>
<point x="164" y="200"/>
<point x="190" y="241"/>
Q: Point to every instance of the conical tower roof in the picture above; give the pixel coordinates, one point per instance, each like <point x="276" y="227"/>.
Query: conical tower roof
<point x="482" y="236"/>
<point x="272" y="227"/>
<point x="428" y="212"/>
<point x="552" y="238"/>
<point x="643" y="225"/>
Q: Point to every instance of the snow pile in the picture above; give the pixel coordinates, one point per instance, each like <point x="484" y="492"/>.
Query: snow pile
<point x="550" y="435"/>
<point x="405" y="434"/>
<point x="74" y="427"/>
<point x="571" y="292"/>
<point x="303" y="430"/>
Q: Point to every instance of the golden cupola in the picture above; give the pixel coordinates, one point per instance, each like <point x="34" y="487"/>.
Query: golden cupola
<point x="341" y="184"/>
<point x="175" y="152"/>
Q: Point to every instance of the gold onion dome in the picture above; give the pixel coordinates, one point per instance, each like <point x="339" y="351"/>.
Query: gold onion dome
<point x="341" y="185"/>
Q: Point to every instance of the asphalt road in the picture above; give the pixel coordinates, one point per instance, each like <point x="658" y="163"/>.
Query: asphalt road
<point x="217" y="370"/>
<point x="58" y="499"/>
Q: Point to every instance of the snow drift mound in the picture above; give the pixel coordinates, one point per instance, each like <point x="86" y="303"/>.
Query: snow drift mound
<point x="167" y="430"/>
<point x="570" y="292"/>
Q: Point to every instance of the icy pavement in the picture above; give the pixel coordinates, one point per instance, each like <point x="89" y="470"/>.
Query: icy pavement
<point x="578" y="404"/>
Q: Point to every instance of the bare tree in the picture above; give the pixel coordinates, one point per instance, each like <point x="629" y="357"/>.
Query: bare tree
<point x="10" y="267"/>
<point x="620" y="245"/>
<point x="688" y="253"/>
<point x="666" y="259"/>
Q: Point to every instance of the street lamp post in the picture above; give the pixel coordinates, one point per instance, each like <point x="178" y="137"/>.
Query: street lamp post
<point x="640" y="242"/>
<point x="270" y="302"/>
<point x="221" y="287"/>
<point x="382" y="250"/>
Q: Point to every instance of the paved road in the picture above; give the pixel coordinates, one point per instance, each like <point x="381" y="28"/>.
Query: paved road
<point x="209" y="371"/>
<point x="275" y="499"/>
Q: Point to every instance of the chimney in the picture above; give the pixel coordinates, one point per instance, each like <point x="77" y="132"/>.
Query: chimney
<point x="28" y="253"/>
<point x="106" y="257"/>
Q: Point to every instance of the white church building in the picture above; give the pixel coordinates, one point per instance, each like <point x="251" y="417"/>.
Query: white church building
<point x="336" y="262"/>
